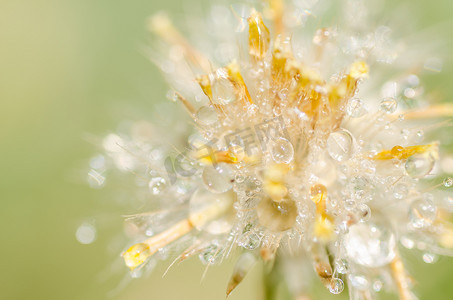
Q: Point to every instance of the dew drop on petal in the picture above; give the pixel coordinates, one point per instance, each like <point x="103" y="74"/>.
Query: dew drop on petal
<point x="359" y="282"/>
<point x="341" y="266"/>
<point x="430" y="258"/>
<point x="355" y="108"/>
<point x="448" y="182"/>
<point x="377" y="286"/>
<point x="318" y="192"/>
<point x="250" y="241"/>
<point x="364" y="212"/>
<point x="370" y="245"/>
<point x="419" y="165"/>
<point x="86" y="233"/>
<point x="210" y="255"/>
<point x="422" y="213"/>
<point x="389" y="105"/>
<point x="339" y="145"/>
<point x="157" y="185"/>
<point x="223" y="90"/>
<point x="207" y="115"/>
<point x="336" y="286"/>
<point x="282" y="151"/>
<point x="219" y="178"/>
<point x="400" y="191"/>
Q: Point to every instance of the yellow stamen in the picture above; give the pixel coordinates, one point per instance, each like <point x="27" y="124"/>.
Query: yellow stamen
<point x="137" y="254"/>
<point x="399" y="152"/>
<point x="205" y="85"/>
<point x="235" y="77"/>
<point x="186" y="103"/>
<point x="401" y="279"/>
<point x="259" y="36"/>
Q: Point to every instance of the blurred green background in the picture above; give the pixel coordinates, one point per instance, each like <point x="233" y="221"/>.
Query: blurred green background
<point x="70" y="68"/>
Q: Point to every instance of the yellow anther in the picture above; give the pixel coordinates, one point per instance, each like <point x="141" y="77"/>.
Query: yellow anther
<point x="136" y="255"/>
<point x="205" y="85"/>
<point x="274" y="184"/>
<point x="323" y="228"/>
<point x="358" y="70"/>
<point x="318" y="193"/>
<point x="235" y="77"/>
<point x="399" y="152"/>
<point x="208" y="156"/>
<point x="259" y="36"/>
<point x="276" y="190"/>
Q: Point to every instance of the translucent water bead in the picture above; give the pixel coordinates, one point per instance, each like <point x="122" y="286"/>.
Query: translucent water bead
<point x="448" y="182"/>
<point x="389" y="105"/>
<point x="356" y="108"/>
<point x="339" y="145"/>
<point x="419" y="165"/>
<point x="422" y="213"/>
<point x="370" y="245"/>
<point x="282" y="151"/>
<point x="157" y="185"/>
<point x="219" y="178"/>
<point x="210" y="255"/>
<point x="207" y="115"/>
<point x="336" y="286"/>
<point x="223" y="91"/>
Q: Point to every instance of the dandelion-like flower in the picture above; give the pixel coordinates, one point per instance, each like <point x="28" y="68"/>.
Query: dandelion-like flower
<point x="313" y="146"/>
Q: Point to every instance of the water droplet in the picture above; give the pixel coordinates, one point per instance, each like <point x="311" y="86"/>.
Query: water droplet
<point x="377" y="286"/>
<point x="95" y="179"/>
<point x="370" y="245"/>
<point x="282" y="151"/>
<point x="359" y="186"/>
<point x="359" y="282"/>
<point x="86" y="233"/>
<point x="250" y="241"/>
<point x="341" y="266"/>
<point x="355" y="108"/>
<point x="422" y="213"/>
<point x="210" y="254"/>
<point x="364" y="212"/>
<point x="448" y="182"/>
<point x="223" y="91"/>
<point x="339" y="145"/>
<point x="207" y="115"/>
<point x="97" y="162"/>
<point x="405" y="133"/>
<point x="400" y="191"/>
<point x="419" y="136"/>
<point x="430" y="258"/>
<point x="283" y="94"/>
<point x="336" y="286"/>
<point x="389" y="105"/>
<point x="318" y="192"/>
<point x="157" y="185"/>
<point x="419" y="165"/>
<point x="219" y="178"/>
<point x="407" y="242"/>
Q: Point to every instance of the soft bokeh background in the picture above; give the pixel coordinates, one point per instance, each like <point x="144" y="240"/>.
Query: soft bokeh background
<point x="71" y="68"/>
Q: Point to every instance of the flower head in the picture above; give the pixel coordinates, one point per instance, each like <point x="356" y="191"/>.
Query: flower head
<point x="310" y="144"/>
